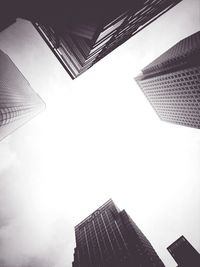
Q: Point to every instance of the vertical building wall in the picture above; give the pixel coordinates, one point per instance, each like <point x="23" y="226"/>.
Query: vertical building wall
<point x="171" y="83"/>
<point x="18" y="102"/>
<point x="109" y="238"/>
<point x="82" y="43"/>
<point x="184" y="253"/>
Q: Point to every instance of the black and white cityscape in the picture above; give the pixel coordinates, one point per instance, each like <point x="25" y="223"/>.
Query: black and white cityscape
<point x="99" y="133"/>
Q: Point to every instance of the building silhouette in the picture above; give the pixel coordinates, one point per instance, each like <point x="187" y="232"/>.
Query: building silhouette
<point x="184" y="253"/>
<point x="7" y="15"/>
<point x="18" y="102"/>
<point x="82" y="33"/>
<point x="171" y="83"/>
<point x="6" y="22"/>
<point x="109" y="238"/>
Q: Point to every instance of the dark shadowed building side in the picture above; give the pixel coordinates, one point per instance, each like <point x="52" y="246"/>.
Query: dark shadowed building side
<point x="83" y="32"/>
<point x="109" y="238"/>
<point x="184" y="253"/>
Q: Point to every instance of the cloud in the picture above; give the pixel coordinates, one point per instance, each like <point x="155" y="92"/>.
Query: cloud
<point x="7" y="155"/>
<point x="28" y="235"/>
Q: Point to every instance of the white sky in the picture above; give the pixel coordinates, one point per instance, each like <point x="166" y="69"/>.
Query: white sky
<point x="98" y="138"/>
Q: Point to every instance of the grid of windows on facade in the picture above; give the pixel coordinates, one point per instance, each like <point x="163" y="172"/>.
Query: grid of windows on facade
<point x="109" y="238"/>
<point x="175" y="95"/>
<point x="184" y="53"/>
<point x="184" y="253"/>
<point x="81" y="45"/>
<point x="18" y="101"/>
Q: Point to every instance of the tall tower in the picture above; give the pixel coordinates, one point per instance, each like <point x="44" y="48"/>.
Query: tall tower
<point x="184" y="253"/>
<point x="18" y="102"/>
<point x="109" y="238"/>
<point x="82" y="33"/>
<point x="171" y="83"/>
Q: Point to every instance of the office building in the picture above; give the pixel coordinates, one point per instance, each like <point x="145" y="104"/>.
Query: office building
<point x="82" y="34"/>
<point x="171" y="83"/>
<point x="18" y="102"/>
<point x="109" y="238"/>
<point x="184" y="253"/>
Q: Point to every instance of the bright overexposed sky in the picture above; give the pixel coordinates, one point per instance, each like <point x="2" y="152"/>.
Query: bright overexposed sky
<point x="98" y="138"/>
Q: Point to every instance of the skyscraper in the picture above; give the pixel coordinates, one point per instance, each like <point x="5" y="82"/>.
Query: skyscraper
<point x="184" y="253"/>
<point x="109" y="238"/>
<point x="82" y="33"/>
<point x="18" y="102"/>
<point x="171" y="83"/>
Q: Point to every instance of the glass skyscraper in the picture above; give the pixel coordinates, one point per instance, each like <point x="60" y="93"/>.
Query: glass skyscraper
<point x="92" y="29"/>
<point x="109" y="238"/>
<point x="171" y="83"/>
<point x="18" y="102"/>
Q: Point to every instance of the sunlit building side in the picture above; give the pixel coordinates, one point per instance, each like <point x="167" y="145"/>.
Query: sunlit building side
<point x="18" y="102"/>
<point x="171" y="83"/>
<point x="109" y="238"/>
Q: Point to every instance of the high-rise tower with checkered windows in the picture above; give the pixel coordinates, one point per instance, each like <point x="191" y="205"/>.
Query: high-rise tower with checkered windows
<point x="171" y="83"/>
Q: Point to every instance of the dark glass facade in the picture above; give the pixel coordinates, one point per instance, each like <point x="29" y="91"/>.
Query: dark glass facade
<point x="7" y="14"/>
<point x="18" y="102"/>
<point x="109" y="238"/>
<point x="98" y="28"/>
<point x="184" y="253"/>
<point x="171" y="83"/>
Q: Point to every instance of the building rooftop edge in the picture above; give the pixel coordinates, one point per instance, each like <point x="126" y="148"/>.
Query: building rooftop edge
<point x="88" y="217"/>
<point x="151" y="64"/>
<point x="175" y="242"/>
